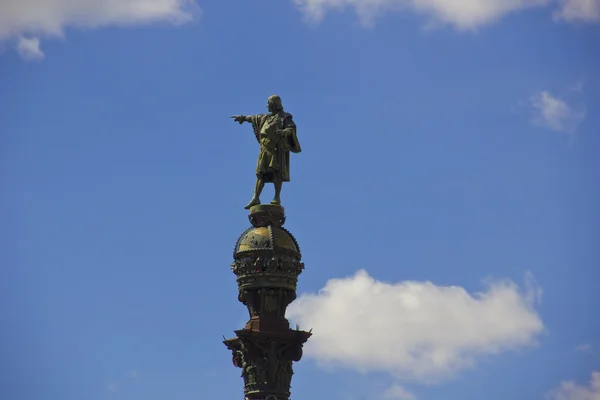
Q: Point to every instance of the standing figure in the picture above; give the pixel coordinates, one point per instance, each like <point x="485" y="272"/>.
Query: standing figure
<point x="276" y="134"/>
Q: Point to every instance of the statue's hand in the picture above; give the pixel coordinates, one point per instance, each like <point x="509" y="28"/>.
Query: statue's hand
<point x="239" y="118"/>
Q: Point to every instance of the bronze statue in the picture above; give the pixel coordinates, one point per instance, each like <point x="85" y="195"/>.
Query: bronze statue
<point x="276" y="134"/>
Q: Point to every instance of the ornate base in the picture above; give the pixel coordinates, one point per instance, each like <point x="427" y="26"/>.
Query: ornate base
<point x="266" y="214"/>
<point x="266" y="361"/>
<point x="267" y="263"/>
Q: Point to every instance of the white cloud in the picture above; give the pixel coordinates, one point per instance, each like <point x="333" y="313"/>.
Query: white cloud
<point x="578" y="10"/>
<point x="51" y="17"/>
<point x="462" y="14"/>
<point x="584" y="348"/>
<point x="554" y="113"/>
<point x="397" y="392"/>
<point x="572" y="391"/>
<point x="29" y="48"/>
<point x="414" y="329"/>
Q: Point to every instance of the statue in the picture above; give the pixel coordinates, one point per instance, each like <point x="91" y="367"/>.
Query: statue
<point x="276" y="134"/>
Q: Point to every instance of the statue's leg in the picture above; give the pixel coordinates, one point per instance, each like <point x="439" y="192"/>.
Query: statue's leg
<point x="277" y="183"/>
<point x="260" y="184"/>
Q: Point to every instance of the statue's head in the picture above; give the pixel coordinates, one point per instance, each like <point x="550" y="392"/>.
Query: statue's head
<point x="274" y="104"/>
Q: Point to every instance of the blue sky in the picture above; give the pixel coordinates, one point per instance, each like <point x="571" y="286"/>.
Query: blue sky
<point x="445" y="199"/>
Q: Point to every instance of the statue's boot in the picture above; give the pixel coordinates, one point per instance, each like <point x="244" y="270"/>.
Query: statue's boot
<point x="276" y="201"/>
<point x="253" y="202"/>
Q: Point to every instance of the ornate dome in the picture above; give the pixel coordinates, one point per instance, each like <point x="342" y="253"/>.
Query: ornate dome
<point x="267" y="238"/>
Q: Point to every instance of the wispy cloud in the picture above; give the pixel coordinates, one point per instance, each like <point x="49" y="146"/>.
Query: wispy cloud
<point x="554" y="113"/>
<point x="397" y="392"/>
<point x="43" y="18"/>
<point x="113" y="387"/>
<point x="133" y="374"/>
<point x="584" y="348"/>
<point x="29" y="48"/>
<point x="415" y="330"/>
<point x="117" y="385"/>
<point x="578" y="11"/>
<point x="461" y="14"/>
<point x="578" y="86"/>
<point x="570" y="390"/>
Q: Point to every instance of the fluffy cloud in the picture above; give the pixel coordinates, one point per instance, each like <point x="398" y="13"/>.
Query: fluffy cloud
<point x="414" y="330"/>
<point x="579" y="10"/>
<point x="572" y="391"/>
<point x="554" y="113"/>
<point x="36" y="18"/>
<point x="29" y="48"/>
<point x="462" y="14"/>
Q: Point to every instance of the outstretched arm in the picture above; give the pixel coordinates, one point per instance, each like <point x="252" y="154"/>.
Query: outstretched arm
<point x="242" y="118"/>
<point x="253" y="119"/>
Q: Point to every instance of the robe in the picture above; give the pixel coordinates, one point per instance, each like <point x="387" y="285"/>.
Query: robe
<point x="274" y="157"/>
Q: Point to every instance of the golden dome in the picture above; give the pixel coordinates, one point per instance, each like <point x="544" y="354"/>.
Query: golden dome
<point x="267" y="238"/>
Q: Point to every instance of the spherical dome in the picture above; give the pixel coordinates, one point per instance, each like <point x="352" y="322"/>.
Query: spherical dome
<point x="267" y="238"/>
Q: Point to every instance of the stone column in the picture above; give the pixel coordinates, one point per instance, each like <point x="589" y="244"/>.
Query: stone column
<point x="267" y="265"/>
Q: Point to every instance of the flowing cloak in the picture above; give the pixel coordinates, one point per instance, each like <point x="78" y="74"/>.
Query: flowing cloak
<point x="274" y="156"/>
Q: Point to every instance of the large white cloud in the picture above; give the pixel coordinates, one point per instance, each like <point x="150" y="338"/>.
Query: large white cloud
<point x="414" y="330"/>
<point x="462" y="14"/>
<point x="554" y="113"/>
<point x="571" y="391"/>
<point x="34" y="18"/>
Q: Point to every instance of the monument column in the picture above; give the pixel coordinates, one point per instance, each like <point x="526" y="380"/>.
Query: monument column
<point x="267" y="263"/>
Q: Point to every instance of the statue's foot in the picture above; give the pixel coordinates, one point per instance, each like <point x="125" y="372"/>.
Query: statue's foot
<point x="276" y="202"/>
<point x="253" y="202"/>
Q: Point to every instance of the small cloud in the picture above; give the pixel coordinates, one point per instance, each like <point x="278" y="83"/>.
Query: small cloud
<point x="570" y="390"/>
<point x="397" y="392"/>
<point x="113" y="387"/>
<point x="415" y="330"/>
<point x="29" y="48"/>
<point x="133" y="374"/>
<point x="584" y="348"/>
<point x="554" y="113"/>
<point x="578" y="11"/>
